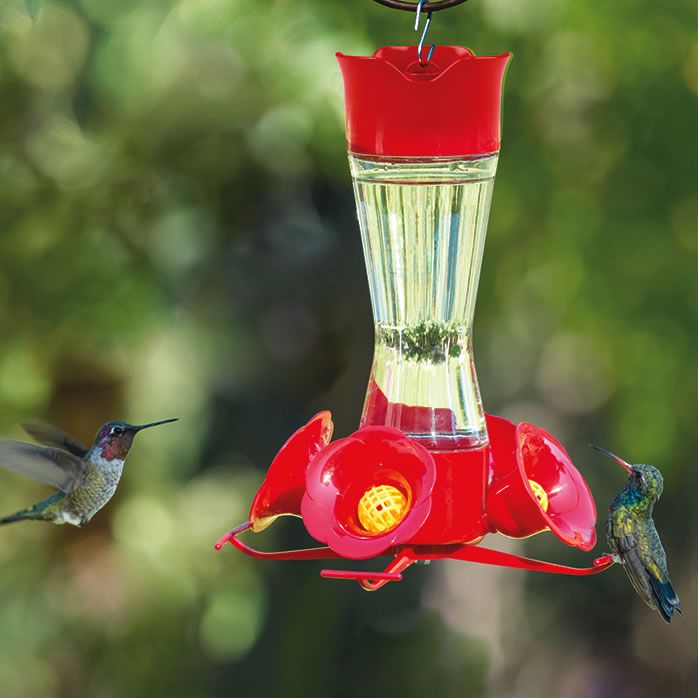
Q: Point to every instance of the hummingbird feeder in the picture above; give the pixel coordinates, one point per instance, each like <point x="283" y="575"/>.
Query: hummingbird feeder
<point x="428" y="474"/>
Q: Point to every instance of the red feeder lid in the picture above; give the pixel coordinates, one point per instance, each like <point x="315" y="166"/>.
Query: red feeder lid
<point x="448" y="107"/>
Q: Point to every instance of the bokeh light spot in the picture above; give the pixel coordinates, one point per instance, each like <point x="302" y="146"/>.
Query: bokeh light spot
<point x="231" y="624"/>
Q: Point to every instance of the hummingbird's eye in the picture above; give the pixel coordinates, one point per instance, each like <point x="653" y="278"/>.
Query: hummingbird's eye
<point x="116" y="431"/>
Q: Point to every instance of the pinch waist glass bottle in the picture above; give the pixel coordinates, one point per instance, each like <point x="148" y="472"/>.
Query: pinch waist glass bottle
<point x="423" y="223"/>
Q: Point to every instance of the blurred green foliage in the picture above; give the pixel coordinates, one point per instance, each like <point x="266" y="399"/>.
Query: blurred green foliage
<point x="178" y="238"/>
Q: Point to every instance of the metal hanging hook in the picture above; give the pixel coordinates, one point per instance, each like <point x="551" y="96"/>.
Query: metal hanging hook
<point x="420" y="6"/>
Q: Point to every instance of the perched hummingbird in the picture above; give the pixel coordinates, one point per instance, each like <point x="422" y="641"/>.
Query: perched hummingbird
<point x="86" y="478"/>
<point x="634" y="540"/>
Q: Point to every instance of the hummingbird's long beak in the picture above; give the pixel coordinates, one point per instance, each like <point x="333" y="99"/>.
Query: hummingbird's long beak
<point x="620" y="461"/>
<point x="140" y="427"/>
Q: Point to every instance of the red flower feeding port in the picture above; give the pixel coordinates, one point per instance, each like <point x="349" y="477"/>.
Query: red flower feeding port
<point x="428" y="474"/>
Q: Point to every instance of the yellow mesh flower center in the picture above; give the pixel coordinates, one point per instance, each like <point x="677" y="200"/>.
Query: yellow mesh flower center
<point x="381" y="508"/>
<point x="540" y="494"/>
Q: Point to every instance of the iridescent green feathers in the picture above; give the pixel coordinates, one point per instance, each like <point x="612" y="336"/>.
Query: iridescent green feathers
<point x="634" y="540"/>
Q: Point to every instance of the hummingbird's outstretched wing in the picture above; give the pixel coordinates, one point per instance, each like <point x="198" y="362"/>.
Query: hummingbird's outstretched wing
<point x="50" y="436"/>
<point x="49" y="465"/>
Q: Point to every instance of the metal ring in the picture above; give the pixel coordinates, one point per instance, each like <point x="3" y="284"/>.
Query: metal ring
<point x="412" y="6"/>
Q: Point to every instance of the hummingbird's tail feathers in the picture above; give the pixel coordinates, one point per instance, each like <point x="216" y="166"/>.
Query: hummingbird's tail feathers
<point x="24" y="515"/>
<point x="45" y="510"/>
<point x="665" y="598"/>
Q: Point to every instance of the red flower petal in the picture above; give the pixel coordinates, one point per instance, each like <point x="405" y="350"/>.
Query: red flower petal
<point x="524" y="452"/>
<point x="571" y="514"/>
<point x="282" y="489"/>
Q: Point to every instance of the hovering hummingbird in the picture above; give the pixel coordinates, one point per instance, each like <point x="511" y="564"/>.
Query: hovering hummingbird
<point x="86" y="478"/>
<point x="634" y="540"/>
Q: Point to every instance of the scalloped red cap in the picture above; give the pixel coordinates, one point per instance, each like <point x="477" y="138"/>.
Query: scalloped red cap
<point x="448" y="107"/>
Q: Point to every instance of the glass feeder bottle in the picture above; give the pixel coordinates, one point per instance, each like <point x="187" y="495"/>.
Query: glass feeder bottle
<point x="423" y="142"/>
